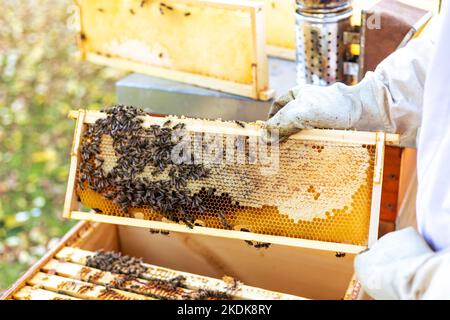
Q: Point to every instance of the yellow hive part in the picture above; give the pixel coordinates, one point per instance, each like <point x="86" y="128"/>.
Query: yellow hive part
<point x="199" y="39"/>
<point x="322" y="191"/>
<point x="280" y="22"/>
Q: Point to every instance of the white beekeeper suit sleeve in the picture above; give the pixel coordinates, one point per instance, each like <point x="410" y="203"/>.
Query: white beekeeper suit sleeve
<point x="388" y="99"/>
<point x="402" y="265"/>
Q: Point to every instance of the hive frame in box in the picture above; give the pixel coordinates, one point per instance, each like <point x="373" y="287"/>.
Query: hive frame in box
<point x="70" y="238"/>
<point x="258" y="89"/>
<point x="71" y="206"/>
<point x="276" y="50"/>
<point x="87" y="232"/>
<point x="94" y="236"/>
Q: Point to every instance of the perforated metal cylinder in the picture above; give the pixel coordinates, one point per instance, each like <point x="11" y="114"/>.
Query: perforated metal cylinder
<point x="320" y="42"/>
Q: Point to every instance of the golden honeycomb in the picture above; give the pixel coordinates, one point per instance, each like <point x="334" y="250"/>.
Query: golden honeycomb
<point x="320" y="190"/>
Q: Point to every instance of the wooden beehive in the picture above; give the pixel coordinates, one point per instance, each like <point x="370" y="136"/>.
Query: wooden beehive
<point x="307" y="268"/>
<point x="291" y="268"/>
<point x="214" y="44"/>
<point x="303" y="273"/>
<point x="325" y="196"/>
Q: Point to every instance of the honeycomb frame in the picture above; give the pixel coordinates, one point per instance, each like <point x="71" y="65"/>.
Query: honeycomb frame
<point x="133" y="51"/>
<point x="375" y="141"/>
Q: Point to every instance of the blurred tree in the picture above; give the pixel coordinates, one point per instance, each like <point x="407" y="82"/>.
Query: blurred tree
<point x="41" y="79"/>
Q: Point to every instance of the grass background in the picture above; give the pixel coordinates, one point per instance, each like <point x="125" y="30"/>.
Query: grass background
<point x="41" y="79"/>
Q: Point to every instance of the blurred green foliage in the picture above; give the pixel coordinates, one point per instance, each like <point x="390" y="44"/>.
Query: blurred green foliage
<point x="41" y="79"/>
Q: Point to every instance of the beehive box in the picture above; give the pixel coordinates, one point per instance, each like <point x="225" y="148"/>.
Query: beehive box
<point x="324" y="194"/>
<point x="192" y="41"/>
<point x="304" y="273"/>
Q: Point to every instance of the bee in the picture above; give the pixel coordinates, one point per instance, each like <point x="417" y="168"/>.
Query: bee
<point x="101" y="161"/>
<point x="250" y="243"/>
<point x="224" y="220"/>
<point x="97" y="210"/>
<point x="177" y="281"/>
<point x="187" y="14"/>
<point x="82" y="36"/>
<point x="340" y="254"/>
<point x="162" y="4"/>
<point x="211" y="192"/>
<point x="240" y="123"/>
<point x="208" y="294"/>
<point x="143" y="2"/>
<point x="199" y="223"/>
<point x="132" y="12"/>
<point x="262" y="245"/>
<point x="188" y="223"/>
<point x="100" y="10"/>
<point x="179" y="125"/>
<point x="165" y="5"/>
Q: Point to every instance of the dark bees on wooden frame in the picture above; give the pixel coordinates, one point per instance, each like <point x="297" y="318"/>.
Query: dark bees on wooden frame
<point x="137" y="147"/>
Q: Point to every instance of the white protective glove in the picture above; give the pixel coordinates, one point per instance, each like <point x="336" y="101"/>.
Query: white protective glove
<point x="401" y="265"/>
<point x="388" y="99"/>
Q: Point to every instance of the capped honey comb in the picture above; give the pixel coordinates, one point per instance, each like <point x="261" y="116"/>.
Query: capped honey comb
<point x="315" y="188"/>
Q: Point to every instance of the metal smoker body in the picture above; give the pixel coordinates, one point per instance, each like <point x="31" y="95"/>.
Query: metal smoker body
<point x="321" y="50"/>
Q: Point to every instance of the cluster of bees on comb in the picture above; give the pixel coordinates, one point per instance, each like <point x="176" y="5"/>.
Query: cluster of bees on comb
<point x="132" y="269"/>
<point x="137" y="147"/>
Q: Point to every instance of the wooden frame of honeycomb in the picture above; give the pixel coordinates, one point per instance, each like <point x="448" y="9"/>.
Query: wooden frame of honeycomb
<point x="370" y="220"/>
<point x="218" y="34"/>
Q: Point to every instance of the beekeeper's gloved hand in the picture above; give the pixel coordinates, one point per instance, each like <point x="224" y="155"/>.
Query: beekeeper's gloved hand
<point x="389" y="99"/>
<point x="401" y="265"/>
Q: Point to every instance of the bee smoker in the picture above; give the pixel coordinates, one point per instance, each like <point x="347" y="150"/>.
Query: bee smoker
<point x="321" y="49"/>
